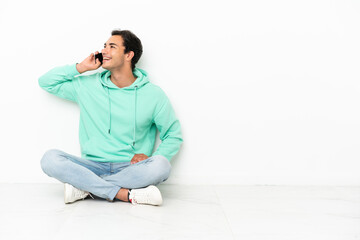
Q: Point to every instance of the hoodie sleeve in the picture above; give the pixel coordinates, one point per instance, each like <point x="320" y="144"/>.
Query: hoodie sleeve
<point x="60" y="82"/>
<point x="170" y="130"/>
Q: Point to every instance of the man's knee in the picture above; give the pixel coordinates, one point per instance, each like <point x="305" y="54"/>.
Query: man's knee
<point x="162" y="166"/>
<point x="47" y="161"/>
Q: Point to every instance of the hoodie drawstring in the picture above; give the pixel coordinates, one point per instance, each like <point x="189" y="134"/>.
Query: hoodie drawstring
<point x="135" y="103"/>
<point x="109" y="110"/>
<point x="135" y="96"/>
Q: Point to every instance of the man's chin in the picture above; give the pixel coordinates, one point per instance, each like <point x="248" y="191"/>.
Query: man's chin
<point x="105" y="67"/>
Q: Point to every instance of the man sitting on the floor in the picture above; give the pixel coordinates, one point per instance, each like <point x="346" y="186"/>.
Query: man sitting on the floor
<point x="120" y="111"/>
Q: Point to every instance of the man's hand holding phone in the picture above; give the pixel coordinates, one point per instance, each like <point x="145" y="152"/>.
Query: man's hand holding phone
<point x="89" y="63"/>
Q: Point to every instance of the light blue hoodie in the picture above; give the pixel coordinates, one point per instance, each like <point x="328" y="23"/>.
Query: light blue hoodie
<point x="117" y="123"/>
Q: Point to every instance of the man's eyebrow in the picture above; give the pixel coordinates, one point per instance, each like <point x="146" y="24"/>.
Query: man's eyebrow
<point x="111" y="44"/>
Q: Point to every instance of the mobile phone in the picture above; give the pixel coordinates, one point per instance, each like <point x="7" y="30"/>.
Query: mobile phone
<point x="100" y="57"/>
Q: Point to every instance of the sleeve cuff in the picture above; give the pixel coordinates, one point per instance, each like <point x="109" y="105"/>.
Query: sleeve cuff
<point x="72" y="71"/>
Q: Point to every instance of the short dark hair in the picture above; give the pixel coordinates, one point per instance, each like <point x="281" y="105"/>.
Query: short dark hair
<point x="131" y="43"/>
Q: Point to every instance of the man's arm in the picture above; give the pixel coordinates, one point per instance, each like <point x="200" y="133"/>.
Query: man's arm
<point x="59" y="80"/>
<point x="169" y="128"/>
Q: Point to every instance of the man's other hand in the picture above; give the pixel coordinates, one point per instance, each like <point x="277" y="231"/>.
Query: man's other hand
<point x="138" y="158"/>
<point x="88" y="64"/>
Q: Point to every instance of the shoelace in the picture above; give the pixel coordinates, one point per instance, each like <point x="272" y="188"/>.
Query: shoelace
<point x="78" y="193"/>
<point x="91" y="196"/>
<point x="81" y="194"/>
<point x="142" y="196"/>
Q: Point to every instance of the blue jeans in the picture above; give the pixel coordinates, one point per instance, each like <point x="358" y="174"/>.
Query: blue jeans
<point x="104" y="179"/>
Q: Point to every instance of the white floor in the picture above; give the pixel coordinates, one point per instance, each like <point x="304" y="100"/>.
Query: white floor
<point x="37" y="211"/>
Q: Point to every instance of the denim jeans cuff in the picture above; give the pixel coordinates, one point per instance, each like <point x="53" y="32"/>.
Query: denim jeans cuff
<point x="113" y="193"/>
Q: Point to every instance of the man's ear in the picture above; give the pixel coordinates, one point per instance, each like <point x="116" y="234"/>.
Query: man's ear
<point x="129" y="55"/>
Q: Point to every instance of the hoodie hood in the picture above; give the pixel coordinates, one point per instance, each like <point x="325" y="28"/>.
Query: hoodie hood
<point x="141" y="80"/>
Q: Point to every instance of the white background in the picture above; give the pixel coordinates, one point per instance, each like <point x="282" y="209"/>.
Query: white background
<point x="267" y="92"/>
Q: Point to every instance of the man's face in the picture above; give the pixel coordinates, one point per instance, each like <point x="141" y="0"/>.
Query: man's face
<point x="113" y="53"/>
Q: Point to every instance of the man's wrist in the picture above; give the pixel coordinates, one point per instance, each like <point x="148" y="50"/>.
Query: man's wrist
<point x="80" y="68"/>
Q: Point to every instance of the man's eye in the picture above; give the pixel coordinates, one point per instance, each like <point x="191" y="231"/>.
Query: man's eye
<point x="112" y="47"/>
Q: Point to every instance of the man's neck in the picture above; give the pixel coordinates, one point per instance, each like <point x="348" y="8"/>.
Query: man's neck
<point x="122" y="77"/>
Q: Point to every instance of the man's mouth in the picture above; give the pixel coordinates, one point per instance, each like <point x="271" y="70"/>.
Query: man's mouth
<point x="106" y="59"/>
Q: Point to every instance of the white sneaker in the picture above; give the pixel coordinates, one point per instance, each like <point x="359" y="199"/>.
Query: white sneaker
<point x="150" y="195"/>
<point x="72" y="194"/>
